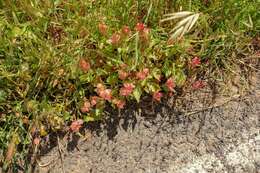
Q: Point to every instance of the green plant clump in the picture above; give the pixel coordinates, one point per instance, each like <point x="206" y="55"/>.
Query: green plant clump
<point x="66" y="60"/>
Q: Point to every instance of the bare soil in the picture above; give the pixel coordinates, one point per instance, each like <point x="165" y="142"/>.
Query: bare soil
<point x="163" y="139"/>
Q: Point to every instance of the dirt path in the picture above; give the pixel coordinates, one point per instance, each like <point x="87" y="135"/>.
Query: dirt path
<point x="223" y="139"/>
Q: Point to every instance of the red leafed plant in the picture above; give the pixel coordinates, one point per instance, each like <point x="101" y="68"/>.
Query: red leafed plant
<point x="157" y="96"/>
<point x="119" y="103"/>
<point x="140" y="27"/>
<point x="195" y="62"/>
<point x="85" y="107"/>
<point x="76" y="125"/>
<point x="84" y="65"/>
<point x="122" y="74"/>
<point x="103" y="28"/>
<point x="127" y="89"/>
<point x="130" y="65"/>
<point x="75" y="60"/>
<point x="115" y="39"/>
<point x="142" y="74"/>
<point x="170" y="84"/>
<point x="126" y="30"/>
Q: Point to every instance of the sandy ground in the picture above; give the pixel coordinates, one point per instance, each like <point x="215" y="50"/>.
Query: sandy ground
<point x="221" y="139"/>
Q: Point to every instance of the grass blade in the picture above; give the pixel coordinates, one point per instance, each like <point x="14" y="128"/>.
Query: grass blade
<point x="176" y="16"/>
<point x="177" y="33"/>
<point x="181" y="23"/>
<point x="180" y="14"/>
<point x="194" y="20"/>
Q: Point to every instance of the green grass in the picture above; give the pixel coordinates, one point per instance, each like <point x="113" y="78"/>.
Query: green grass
<point x="41" y="42"/>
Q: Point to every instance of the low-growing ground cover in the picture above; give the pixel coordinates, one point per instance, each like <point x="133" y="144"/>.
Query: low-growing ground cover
<point x="65" y="61"/>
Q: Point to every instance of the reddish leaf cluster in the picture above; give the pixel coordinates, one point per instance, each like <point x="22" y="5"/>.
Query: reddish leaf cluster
<point x="94" y="100"/>
<point x="84" y="65"/>
<point x="103" y="92"/>
<point x="122" y="74"/>
<point x="142" y="74"/>
<point x="85" y="107"/>
<point x="115" y="39"/>
<point x="140" y="27"/>
<point x="127" y="89"/>
<point x="126" y="30"/>
<point x="143" y="31"/>
<point x="102" y="28"/>
<point x="76" y="125"/>
<point x="195" y="62"/>
<point x="36" y="141"/>
<point x="119" y="103"/>
<point x="170" y="84"/>
<point x="157" y="96"/>
<point x="129" y="78"/>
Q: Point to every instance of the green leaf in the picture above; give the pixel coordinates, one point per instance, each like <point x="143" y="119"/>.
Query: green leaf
<point x="94" y="115"/>
<point x="88" y="119"/>
<point x="16" y="31"/>
<point x="66" y="115"/>
<point x="156" y="73"/>
<point x="152" y="87"/>
<point x="144" y="82"/>
<point x="180" y="77"/>
<point x="101" y="72"/>
<point x="168" y="73"/>
<point x="166" y="69"/>
<point x="31" y="105"/>
<point x="137" y="93"/>
<point x="98" y="114"/>
<point x="136" y="52"/>
<point x="43" y="131"/>
<point x="87" y="78"/>
<point x="3" y="95"/>
<point x="112" y="79"/>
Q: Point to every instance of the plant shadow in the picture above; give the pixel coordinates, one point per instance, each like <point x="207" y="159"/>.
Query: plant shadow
<point x="127" y="119"/>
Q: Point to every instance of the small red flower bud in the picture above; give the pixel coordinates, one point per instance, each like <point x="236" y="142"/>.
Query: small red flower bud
<point x="122" y="74"/>
<point x="106" y="94"/>
<point x="195" y="62"/>
<point x="36" y="141"/>
<point x="126" y="30"/>
<point x="170" y="84"/>
<point x="142" y="74"/>
<point x="157" y="96"/>
<point x="102" y="28"/>
<point x="145" y="34"/>
<point x="85" y="107"/>
<point x="84" y="65"/>
<point x="76" y="125"/>
<point x="140" y="27"/>
<point x="94" y="100"/>
<point x="115" y="39"/>
<point x="127" y="89"/>
<point x="119" y="103"/>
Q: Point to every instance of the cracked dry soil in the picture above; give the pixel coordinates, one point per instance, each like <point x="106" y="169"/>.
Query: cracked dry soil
<point x="220" y="139"/>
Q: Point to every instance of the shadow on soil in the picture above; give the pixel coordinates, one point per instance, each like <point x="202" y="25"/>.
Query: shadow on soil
<point x="125" y="119"/>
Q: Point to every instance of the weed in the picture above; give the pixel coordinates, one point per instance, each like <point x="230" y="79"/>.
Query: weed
<point x="63" y="61"/>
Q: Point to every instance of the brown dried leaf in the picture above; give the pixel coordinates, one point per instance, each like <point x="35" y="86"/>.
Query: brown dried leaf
<point x="11" y="148"/>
